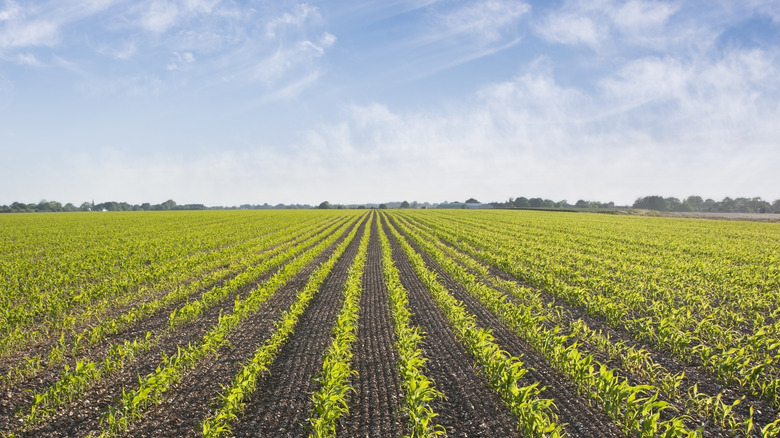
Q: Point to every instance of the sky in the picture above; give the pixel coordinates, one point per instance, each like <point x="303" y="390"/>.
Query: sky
<point x="226" y="102"/>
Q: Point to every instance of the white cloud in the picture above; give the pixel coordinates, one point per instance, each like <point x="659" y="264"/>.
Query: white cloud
<point x="657" y="125"/>
<point x="593" y="23"/>
<point x="160" y="16"/>
<point x="10" y="11"/>
<point x="34" y="33"/>
<point x="181" y="61"/>
<point x="125" y="52"/>
<point x="297" y="18"/>
<point x="637" y="15"/>
<point x="769" y="8"/>
<point x="483" y="20"/>
<point x="201" y="6"/>
<point x="29" y="59"/>
<point x="456" y="35"/>
<point x="231" y="42"/>
<point x="572" y="29"/>
<point x="41" y="25"/>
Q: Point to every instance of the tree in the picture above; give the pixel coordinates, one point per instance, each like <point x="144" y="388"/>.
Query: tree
<point x="383" y="206"/>
<point x="652" y="203"/>
<point x="695" y="202"/>
<point x="582" y="204"/>
<point x="472" y="201"/>
<point x="48" y="206"/>
<point x="776" y="206"/>
<point x="18" y="207"/>
<point x="324" y="205"/>
<point x="522" y="202"/>
<point x="673" y="204"/>
<point x="535" y="202"/>
<point x="404" y="204"/>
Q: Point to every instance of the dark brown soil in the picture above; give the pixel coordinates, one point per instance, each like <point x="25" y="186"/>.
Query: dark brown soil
<point x="83" y="415"/>
<point x="19" y="395"/>
<point x="471" y="408"/>
<point x="182" y="413"/>
<point x="373" y="407"/>
<point x="706" y="382"/>
<point x="43" y="348"/>
<point x="282" y="404"/>
<point x="582" y="420"/>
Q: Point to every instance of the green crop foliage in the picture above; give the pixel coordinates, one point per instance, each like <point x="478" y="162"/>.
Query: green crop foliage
<point x="231" y="402"/>
<point x="535" y="415"/>
<point x="330" y="401"/>
<point x="587" y="266"/>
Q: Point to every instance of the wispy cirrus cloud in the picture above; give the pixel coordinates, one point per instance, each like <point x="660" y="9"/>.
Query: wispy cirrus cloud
<point x="697" y="118"/>
<point x="34" y="25"/>
<point x="454" y="35"/>
<point x="594" y="23"/>
<point x="18" y="34"/>
<point x="10" y="11"/>
<point x="487" y="21"/>
<point x="202" y="43"/>
<point x="296" y="18"/>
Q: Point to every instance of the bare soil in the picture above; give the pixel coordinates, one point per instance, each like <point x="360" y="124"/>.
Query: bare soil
<point x="83" y="415"/>
<point x="581" y="418"/>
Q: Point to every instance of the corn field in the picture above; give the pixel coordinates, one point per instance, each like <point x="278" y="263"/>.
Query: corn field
<point x="380" y="323"/>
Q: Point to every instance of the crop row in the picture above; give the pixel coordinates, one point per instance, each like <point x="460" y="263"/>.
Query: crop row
<point x="207" y="276"/>
<point x="170" y="370"/>
<point x="637" y="361"/>
<point x="85" y="374"/>
<point x="503" y="372"/>
<point x="330" y="401"/>
<point x="418" y="390"/>
<point x="693" y="319"/>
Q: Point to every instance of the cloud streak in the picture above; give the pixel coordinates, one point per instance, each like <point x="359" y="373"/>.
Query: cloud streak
<point x="594" y="23"/>
<point x="292" y="102"/>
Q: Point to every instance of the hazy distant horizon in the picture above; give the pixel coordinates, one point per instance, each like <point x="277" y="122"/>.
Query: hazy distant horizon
<point x="229" y="103"/>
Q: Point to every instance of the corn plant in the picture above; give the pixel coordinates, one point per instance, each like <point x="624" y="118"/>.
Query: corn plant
<point x="231" y="402"/>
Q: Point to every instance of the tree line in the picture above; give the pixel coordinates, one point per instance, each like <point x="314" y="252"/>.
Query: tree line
<point x="659" y="203"/>
<point x="696" y="203"/>
<point x="55" y="207"/>
<point x="523" y="202"/>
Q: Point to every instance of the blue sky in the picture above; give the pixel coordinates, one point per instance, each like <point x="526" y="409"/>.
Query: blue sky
<point x="232" y="102"/>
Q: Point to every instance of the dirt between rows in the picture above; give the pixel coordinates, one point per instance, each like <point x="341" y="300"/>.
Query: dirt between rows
<point x="44" y="376"/>
<point x="44" y="347"/>
<point x="470" y="408"/>
<point x="20" y="394"/>
<point x="373" y="407"/>
<point x="581" y="419"/>
<point x="182" y="412"/>
<point x="282" y="404"/>
<point x="83" y="415"/>
<point x="707" y="383"/>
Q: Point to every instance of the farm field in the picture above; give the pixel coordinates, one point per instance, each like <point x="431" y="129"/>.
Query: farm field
<point x="384" y="323"/>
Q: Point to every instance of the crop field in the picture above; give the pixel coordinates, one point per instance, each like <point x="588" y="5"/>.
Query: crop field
<point x="388" y="323"/>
